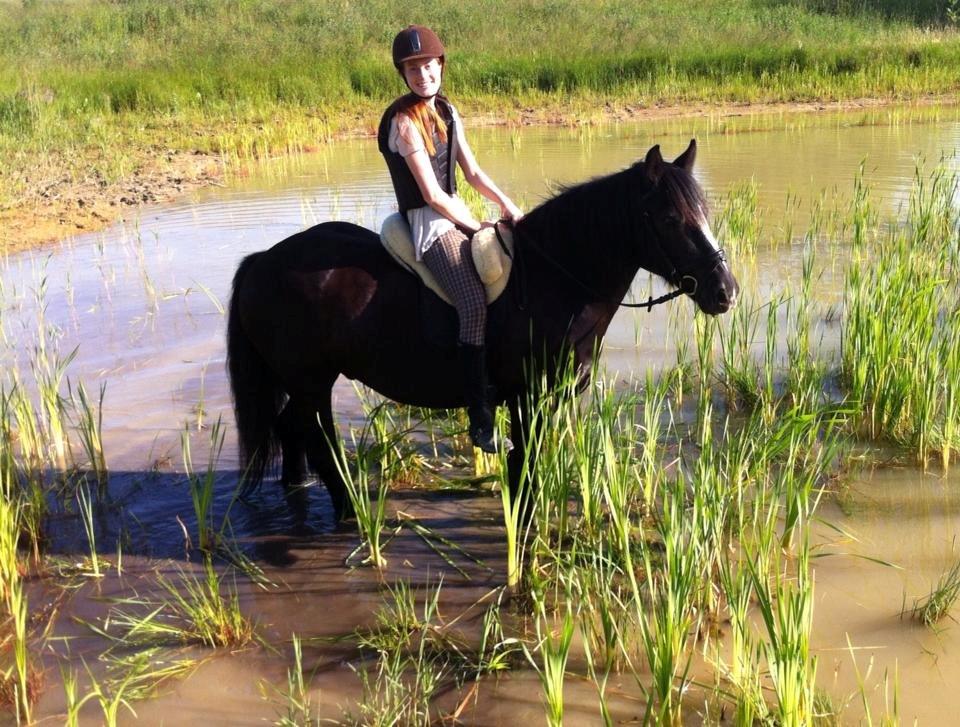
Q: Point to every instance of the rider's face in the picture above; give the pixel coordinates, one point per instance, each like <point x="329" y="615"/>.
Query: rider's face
<point x="423" y="76"/>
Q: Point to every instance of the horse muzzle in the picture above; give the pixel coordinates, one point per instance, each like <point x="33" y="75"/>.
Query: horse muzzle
<point x="713" y="287"/>
<point x="719" y="293"/>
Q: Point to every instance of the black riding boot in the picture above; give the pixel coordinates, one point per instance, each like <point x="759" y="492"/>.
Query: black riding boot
<point x="473" y="366"/>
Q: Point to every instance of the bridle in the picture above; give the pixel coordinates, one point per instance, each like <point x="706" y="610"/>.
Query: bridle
<point x="677" y="278"/>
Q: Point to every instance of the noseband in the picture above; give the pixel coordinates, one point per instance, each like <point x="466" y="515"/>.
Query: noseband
<point x="686" y="281"/>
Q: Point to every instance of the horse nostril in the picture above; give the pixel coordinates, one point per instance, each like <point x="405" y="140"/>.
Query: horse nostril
<point x="726" y="297"/>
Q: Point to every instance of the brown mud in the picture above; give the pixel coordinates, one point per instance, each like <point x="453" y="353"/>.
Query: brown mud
<point x="58" y="208"/>
<point x="52" y="210"/>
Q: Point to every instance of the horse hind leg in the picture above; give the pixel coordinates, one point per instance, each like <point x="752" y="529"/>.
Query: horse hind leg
<point x="290" y="431"/>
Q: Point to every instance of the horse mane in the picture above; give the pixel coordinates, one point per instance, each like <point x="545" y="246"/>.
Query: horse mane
<point x="610" y="203"/>
<point x="586" y="222"/>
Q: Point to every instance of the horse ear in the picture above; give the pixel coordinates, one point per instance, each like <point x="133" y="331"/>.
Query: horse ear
<point x="685" y="160"/>
<point x="653" y="164"/>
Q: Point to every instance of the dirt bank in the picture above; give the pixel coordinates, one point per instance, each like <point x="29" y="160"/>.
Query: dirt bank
<point x="59" y="208"/>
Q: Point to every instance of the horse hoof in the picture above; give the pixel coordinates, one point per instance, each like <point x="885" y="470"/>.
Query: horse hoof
<point x="485" y="442"/>
<point x="343" y="511"/>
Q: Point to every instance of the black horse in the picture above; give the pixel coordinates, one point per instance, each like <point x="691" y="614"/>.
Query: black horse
<point x="330" y="301"/>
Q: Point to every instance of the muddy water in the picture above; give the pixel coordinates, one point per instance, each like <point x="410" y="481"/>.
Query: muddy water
<point x="142" y="303"/>
<point x="900" y="534"/>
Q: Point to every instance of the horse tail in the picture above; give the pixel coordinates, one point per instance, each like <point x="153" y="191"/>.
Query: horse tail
<point x="257" y="395"/>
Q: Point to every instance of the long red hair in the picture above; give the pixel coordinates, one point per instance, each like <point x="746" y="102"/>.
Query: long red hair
<point x="425" y="119"/>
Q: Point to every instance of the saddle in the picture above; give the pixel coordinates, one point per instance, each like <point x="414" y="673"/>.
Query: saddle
<point x="492" y="257"/>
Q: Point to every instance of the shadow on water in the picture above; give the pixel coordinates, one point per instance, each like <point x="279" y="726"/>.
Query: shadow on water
<point x="151" y="515"/>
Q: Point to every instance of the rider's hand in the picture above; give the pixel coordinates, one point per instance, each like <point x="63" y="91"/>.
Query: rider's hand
<point x="511" y="212"/>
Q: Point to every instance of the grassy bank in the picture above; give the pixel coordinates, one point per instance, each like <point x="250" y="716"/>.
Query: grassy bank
<point x="94" y="91"/>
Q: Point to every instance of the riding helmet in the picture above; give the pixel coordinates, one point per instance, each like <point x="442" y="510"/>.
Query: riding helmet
<point x="416" y="41"/>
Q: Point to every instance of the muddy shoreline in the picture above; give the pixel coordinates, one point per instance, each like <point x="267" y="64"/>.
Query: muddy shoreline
<point x="60" y="208"/>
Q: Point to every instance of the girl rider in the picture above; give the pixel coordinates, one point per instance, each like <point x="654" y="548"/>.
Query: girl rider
<point x="421" y="137"/>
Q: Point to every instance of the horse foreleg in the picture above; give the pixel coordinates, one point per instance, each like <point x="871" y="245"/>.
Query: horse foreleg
<point x="521" y="462"/>
<point x="323" y="441"/>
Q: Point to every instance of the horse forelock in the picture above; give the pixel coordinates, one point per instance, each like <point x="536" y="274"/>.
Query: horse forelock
<point x="685" y="194"/>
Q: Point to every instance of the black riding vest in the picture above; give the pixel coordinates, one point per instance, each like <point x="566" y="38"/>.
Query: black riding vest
<point x="443" y="162"/>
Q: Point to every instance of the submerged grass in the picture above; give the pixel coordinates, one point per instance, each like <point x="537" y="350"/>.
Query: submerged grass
<point x="190" y="609"/>
<point x="930" y="609"/>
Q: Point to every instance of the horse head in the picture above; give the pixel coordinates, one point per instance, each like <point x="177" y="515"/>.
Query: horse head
<point x="680" y="246"/>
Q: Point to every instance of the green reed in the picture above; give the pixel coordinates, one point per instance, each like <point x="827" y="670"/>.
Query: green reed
<point x="601" y="614"/>
<point x="742" y="484"/>
<point x="786" y="607"/>
<point x="298" y="710"/>
<point x="195" y="608"/>
<point x="22" y="483"/>
<point x="935" y="605"/>
<point x="738" y="223"/>
<point x="741" y="372"/>
<point x="86" y="515"/>
<point x="554" y="648"/>
<point x="49" y="376"/>
<point x="705" y="333"/>
<point x="900" y="357"/>
<point x="202" y="486"/>
<point x="29" y="435"/>
<point x="891" y="714"/>
<point x="72" y="698"/>
<point x="17" y="678"/>
<point x="806" y="372"/>
<point x="110" y="698"/>
<point x="90" y="429"/>
<point x="515" y="504"/>
<point x="397" y="457"/>
<point x="370" y="511"/>
<point x="652" y="428"/>
<point x="743" y="671"/>
<point x="672" y="581"/>
<point x="414" y="659"/>
<point x="769" y="356"/>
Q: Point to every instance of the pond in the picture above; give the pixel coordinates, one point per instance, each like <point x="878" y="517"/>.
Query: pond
<point x="142" y="304"/>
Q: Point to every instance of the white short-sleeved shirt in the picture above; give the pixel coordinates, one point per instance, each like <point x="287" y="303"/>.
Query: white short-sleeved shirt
<point x="426" y="224"/>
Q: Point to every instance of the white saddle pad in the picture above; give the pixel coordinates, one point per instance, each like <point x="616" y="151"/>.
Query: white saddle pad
<point x="493" y="263"/>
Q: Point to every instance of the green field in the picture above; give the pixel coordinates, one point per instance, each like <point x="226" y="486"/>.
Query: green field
<point x="90" y="88"/>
